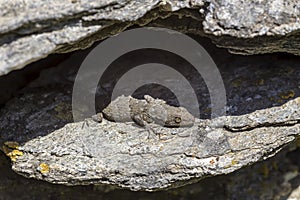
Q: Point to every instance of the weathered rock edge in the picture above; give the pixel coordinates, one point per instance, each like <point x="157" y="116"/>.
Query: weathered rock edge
<point x="122" y="154"/>
<point x="33" y="29"/>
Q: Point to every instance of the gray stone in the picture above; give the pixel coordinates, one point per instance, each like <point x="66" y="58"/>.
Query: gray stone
<point x="252" y="83"/>
<point x="122" y="154"/>
<point x="295" y="194"/>
<point x="40" y="28"/>
<point x="46" y="104"/>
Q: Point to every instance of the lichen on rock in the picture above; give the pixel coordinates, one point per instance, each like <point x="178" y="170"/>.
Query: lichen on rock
<point x="123" y="154"/>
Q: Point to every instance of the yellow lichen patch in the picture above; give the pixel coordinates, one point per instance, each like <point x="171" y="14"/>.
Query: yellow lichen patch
<point x="14" y="155"/>
<point x="12" y="144"/>
<point x="9" y="146"/>
<point x="234" y="162"/>
<point x="44" y="168"/>
<point x="287" y="95"/>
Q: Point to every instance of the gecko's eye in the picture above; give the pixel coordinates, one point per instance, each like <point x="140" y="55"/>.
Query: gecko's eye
<point x="177" y="120"/>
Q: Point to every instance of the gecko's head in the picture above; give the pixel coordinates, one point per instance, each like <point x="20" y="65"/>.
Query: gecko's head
<point x="180" y="118"/>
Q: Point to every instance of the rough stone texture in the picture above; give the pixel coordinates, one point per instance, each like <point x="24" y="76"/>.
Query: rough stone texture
<point x="274" y="178"/>
<point x="31" y="30"/>
<point x="274" y="80"/>
<point x="89" y="152"/>
<point x="41" y="28"/>
<point x="295" y="194"/>
<point x="45" y="105"/>
<point x="252" y="18"/>
<point x="27" y="34"/>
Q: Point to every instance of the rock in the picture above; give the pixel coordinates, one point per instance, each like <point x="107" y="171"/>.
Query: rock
<point x="41" y="28"/>
<point x="248" y="19"/>
<point x="263" y="180"/>
<point x="295" y="194"/>
<point x="252" y="83"/>
<point x="122" y="154"/>
<point x="34" y="33"/>
<point x="46" y="104"/>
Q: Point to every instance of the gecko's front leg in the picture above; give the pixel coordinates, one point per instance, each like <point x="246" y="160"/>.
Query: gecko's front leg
<point x="143" y="120"/>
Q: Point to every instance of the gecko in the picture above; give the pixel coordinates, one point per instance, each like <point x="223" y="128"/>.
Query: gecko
<point x="146" y="111"/>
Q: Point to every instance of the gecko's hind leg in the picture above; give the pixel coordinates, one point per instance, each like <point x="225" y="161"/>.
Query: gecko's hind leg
<point x="150" y="130"/>
<point x="143" y="120"/>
